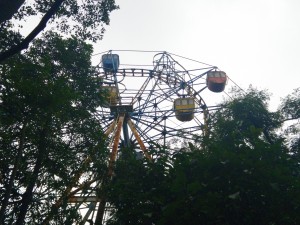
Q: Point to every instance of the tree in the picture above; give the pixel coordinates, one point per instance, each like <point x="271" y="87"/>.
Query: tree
<point x="139" y="188"/>
<point x="291" y="114"/>
<point x="289" y="108"/>
<point x="290" y="105"/>
<point x="242" y="173"/>
<point x="48" y="103"/>
<point x="85" y="19"/>
<point x="8" y="9"/>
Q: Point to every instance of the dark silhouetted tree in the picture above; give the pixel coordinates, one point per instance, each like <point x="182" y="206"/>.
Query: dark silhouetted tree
<point x="242" y="173"/>
<point x="48" y="102"/>
<point x="84" y="19"/>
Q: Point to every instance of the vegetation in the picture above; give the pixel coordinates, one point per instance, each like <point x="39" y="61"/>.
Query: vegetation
<point x="83" y="19"/>
<point x="244" y="172"/>
<point x="49" y="132"/>
<point x="48" y="128"/>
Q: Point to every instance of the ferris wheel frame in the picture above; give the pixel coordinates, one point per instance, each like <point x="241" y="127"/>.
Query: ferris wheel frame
<point x="150" y="108"/>
<point x="143" y="116"/>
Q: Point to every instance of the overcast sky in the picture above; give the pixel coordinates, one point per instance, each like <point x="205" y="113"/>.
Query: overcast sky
<point x="255" y="42"/>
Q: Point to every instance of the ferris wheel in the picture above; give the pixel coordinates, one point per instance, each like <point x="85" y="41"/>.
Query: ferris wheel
<point x="145" y="105"/>
<point x="155" y="104"/>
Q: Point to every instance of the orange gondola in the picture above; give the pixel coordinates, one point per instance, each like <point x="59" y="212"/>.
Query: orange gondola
<point x="216" y="81"/>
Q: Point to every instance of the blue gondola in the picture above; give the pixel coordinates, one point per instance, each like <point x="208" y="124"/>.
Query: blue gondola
<point x="110" y="63"/>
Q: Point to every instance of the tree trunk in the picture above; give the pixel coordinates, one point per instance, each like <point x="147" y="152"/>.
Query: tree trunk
<point x="100" y="213"/>
<point x="41" y="26"/>
<point x="13" y="175"/>
<point x="27" y="196"/>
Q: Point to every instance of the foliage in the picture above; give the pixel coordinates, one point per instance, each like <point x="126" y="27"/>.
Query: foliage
<point x="80" y="18"/>
<point x="290" y="105"/>
<point x="243" y="173"/>
<point x="246" y="117"/>
<point x="136" y="184"/>
<point x="48" y="128"/>
<point x="290" y="110"/>
<point x="291" y="113"/>
<point x="9" y="8"/>
<point x="83" y="19"/>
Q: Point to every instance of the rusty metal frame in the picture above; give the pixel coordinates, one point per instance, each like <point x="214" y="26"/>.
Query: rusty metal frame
<point x="138" y="138"/>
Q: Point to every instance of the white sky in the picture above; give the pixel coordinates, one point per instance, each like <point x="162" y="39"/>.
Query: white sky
<point x="255" y="42"/>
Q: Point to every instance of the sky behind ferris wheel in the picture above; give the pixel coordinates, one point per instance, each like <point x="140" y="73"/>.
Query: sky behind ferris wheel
<point x="255" y="42"/>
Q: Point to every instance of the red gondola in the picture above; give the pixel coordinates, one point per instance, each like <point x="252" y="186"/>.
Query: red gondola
<point x="216" y="81"/>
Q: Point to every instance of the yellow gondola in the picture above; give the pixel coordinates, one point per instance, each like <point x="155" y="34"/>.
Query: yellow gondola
<point x="111" y="95"/>
<point x="184" y="109"/>
<point x="216" y="81"/>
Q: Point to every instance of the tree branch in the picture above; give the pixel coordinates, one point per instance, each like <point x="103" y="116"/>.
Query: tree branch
<point x="25" y="43"/>
<point x="289" y="119"/>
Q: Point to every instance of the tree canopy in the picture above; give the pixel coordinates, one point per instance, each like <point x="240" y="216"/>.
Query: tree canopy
<point x="50" y="134"/>
<point x="48" y="128"/>
<point x="84" y="19"/>
<point x="242" y="172"/>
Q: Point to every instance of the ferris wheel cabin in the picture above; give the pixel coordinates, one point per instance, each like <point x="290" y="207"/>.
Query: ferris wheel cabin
<point x="110" y="63"/>
<point x="184" y="109"/>
<point x="111" y="95"/>
<point x="216" y="81"/>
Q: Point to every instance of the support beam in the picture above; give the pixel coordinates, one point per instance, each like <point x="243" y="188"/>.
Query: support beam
<point x="113" y="156"/>
<point x="79" y="199"/>
<point x="126" y="134"/>
<point x="138" y="138"/>
<point x="92" y="207"/>
<point x="114" y="152"/>
<point x="205" y="115"/>
<point x="110" y="128"/>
